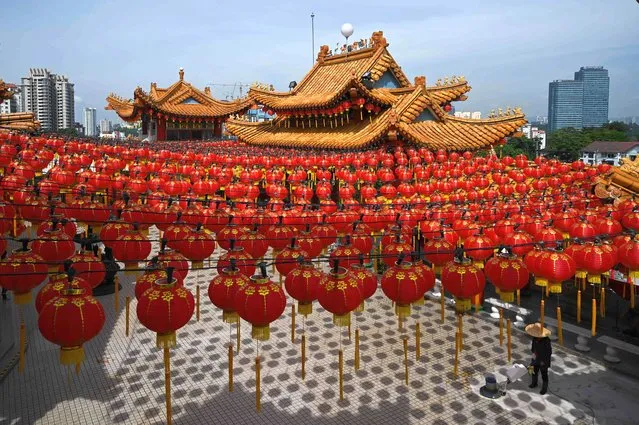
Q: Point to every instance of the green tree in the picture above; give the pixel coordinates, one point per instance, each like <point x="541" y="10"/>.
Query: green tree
<point x="566" y="144"/>
<point x="521" y="145"/>
<point x="618" y="126"/>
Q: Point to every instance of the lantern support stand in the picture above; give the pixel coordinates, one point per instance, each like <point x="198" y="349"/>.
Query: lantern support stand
<point x="460" y="327"/>
<point x="230" y="367"/>
<point x="197" y="301"/>
<point x="456" y="362"/>
<point x="167" y="383"/>
<point x="542" y="311"/>
<point x="117" y="294"/>
<point x="501" y="327"/>
<point x="405" y="342"/>
<point x="293" y="323"/>
<point x="593" y="329"/>
<point x="356" y="353"/>
<point x="519" y="297"/>
<point x="602" y="302"/>
<point x="508" y="333"/>
<point x="418" y="341"/>
<point x="560" y="333"/>
<point x="258" y="402"/>
<point x="443" y="302"/>
<point x="127" y="308"/>
<point x="578" y="306"/>
<point x="304" y="349"/>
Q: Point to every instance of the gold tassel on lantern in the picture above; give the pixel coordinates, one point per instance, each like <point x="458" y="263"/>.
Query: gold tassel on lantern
<point x="342" y="320"/>
<point x="166" y="340"/>
<point x="261" y="333"/>
<point x="462" y="305"/>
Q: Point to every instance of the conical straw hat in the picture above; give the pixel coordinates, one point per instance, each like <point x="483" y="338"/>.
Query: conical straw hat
<point x="535" y="330"/>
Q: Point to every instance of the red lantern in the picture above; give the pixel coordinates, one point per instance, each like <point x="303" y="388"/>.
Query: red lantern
<point x="302" y="283"/>
<point x="131" y="248"/>
<point x="392" y="250"/>
<point x="89" y="268"/>
<point x="54" y="247"/>
<point x="197" y="246"/>
<point x="286" y="259"/>
<point x="508" y="273"/>
<point x="597" y="261"/>
<point x="54" y="287"/>
<point x="345" y="253"/>
<point x="260" y="302"/>
<point x="554" y="267"/>
<point x="439" y="252"/>
<point x="464" y="280"/>
<point x="520" y="243"/>
<point x="223" y="290"/>
<point x="367" y="281"/>
<point x="164" y="308"/>
<point x="111" y="231"/>
<point x="170" y="258"/>
<point x="400" y="284"/>
<point x="339" y="294"/>
<point x="479" y="248"/>
<point x="69" y="320"/>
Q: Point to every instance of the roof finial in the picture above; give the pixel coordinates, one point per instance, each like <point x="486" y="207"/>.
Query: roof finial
<point x="181" y="74"/>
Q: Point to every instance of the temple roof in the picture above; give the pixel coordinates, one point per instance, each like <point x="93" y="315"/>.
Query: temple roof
<point x="21" y="121"/>
<point x="6" y="90"/>
<point x="412" y="111"/>
<point x="181" y="99"/>
<point x="441" y="131"/>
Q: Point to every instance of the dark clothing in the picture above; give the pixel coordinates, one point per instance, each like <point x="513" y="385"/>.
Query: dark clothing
<point x="542" y="351"/>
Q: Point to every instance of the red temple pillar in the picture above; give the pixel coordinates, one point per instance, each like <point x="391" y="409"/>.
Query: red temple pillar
<point x="217" y="128"/>
<point x="161" y="129"/>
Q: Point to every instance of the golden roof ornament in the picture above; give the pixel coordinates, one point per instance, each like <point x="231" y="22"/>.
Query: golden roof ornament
<point x="445" y="81"/>
<point x="181" y="73"/>
<point x="508" y="111"/>
<point x="492" y="114"/>
<point x="439" y="82"/>
<point x="500" y="112"/>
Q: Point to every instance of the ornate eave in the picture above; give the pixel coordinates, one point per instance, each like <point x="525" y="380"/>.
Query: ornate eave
<point x="21" y="121"/>
<point x="170" y="101"/>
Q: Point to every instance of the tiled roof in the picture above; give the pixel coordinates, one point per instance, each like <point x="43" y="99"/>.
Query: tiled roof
<point x="610" y="147"/>
<point x="170" y="101"/>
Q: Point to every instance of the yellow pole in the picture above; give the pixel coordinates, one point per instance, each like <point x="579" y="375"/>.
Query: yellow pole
<point x="230" y="368"/>
<point x="406" y="359"/>
<point x="560" y="333"/>
<point x="117" y="294"/>
<point x="399" y="323"/>
<point x="602" y="303"/>
<point x="239" y="330"/>
<point x="594" y="317"/>
<point x="460" y="325"/>
<point x="293" y="323"/>
<point x="197" y="303"/>
<point x="443" y="302"/>
<point x="258" y="404"/>
<point x="304" y="357"/>
<point x="477" y="306"/>
<point x="518" y="297"/>
<point x="579" y="306"/>
<point x="23" y="340"/>
<point x="127" y="308"/>
<point x="341" y="374"/>
<point x="542" y="311"/>
<point x="418" y="341"/>
<point x="509" y="338"/>
<point x="501" y="327"/>
<point x="356" y="349"/>
<point x="167" y="383"/>
<point x="456" y="354"/>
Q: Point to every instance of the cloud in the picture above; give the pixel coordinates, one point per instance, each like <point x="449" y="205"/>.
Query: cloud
<point x="77" y="99"/>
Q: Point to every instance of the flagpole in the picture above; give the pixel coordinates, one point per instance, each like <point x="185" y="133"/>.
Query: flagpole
<point x="313" y="37"/>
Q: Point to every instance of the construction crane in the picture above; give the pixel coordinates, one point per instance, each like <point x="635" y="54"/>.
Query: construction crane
<point x="235" y="86"/>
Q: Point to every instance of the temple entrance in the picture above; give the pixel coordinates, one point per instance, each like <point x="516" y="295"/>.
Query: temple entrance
<point x="188" y="134"/>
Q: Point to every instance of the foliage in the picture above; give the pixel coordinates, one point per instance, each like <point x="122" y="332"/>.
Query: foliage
<point x="64" y="132"/>
<point x="521" y="145"/>
<point x="566" y="144"/>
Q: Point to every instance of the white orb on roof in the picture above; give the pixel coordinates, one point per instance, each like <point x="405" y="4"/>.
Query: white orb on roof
<point x="347" y="30"/>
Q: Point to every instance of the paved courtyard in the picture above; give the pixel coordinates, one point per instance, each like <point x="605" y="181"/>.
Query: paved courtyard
<point x="122" y="379"/>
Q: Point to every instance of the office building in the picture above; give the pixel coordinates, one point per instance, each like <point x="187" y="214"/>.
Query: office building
<point x="596" y="93"/>
<point x="90" y="124"/>
<point x="534" y="133"/>
<point x="579" y="103"/>
<point x="50" y="97"/>
<point x="565" y="104"/>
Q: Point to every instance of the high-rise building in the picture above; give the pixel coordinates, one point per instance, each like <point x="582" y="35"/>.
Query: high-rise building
<point x="90" y="125"/>
<point x="565" y="104"/>
<point x="105" y="127"/>
<point x="65" y="102"/>
<point x="49" y="97"/>
<point x="579" y="103"/>
<point x="9" y="106"/>
<point x="596" y="92"/>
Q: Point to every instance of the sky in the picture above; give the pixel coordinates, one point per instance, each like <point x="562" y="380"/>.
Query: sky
<point x="508" y="50"/>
